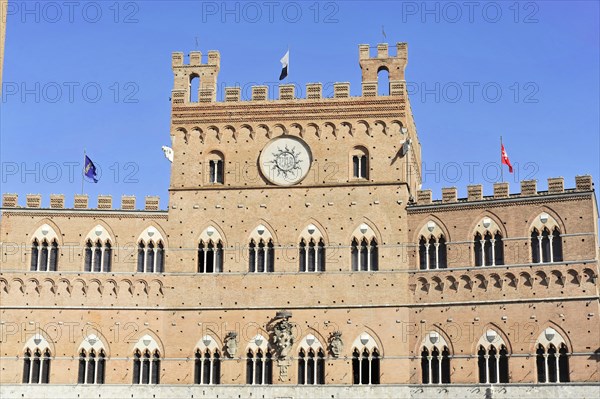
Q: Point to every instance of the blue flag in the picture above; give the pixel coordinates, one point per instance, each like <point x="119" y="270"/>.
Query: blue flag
<point x="89" y="169"/>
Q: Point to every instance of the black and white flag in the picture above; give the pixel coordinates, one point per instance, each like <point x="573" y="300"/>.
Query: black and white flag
<point x="285" y="63"/>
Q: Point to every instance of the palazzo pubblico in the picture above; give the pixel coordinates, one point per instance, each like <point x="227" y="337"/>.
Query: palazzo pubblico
<point x="298" y="256"/>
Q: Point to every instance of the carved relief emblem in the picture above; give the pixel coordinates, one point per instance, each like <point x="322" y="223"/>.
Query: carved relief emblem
<point x="336" y="345"/>
<point x="283" y="338"/>
<point x="286" y="162"/>
<point x="231" y="344"/>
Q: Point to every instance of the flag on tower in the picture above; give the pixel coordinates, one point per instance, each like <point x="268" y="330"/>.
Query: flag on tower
<point x="504" y="158"/>
<point x="89" y="169"/>
<point x="285" y="62"/>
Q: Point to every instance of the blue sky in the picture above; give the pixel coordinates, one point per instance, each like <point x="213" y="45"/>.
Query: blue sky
<point x="98" y="76"/>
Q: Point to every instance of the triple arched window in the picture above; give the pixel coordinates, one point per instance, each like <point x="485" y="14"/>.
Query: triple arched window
<point x="210" y="256"/>
<point x="435" y="365"/>
<point x="311" y="362"/>
<point x="432" y="253"/>
<point x="92" y="365"/>
<point x="365" y="366"/>
<point x="552" y="357"/>
<point x="261" y="256"/>
<point x="36" y="361"/>
<point x="151" y="257"/>
<point x="364" y="250"/>
<point x="489" y="249"/>
<point x="364" y="254"/>
<point x="98" y="256"/>
<point x="207" y="366"/>
<point x="311" y="367"/>
<point x="146" y="366"/>
<point x="311" y="255"/>
<point x="546" y="246"/>
<point x="92" y="361"/>
<point x="365" y="361"/>
<point x="259" y="367"/>
<point x="435" y="360"/>
<point x="44" y="255"/>
<point x="492" y="359"/>
<point x="493" y="364"/>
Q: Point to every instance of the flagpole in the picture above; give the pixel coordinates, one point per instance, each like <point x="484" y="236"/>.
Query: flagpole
<point x="82" y="171"/>
<point x="501" y="168"/>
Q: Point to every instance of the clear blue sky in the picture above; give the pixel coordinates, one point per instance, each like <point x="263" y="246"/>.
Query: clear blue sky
<point x="543" y="57"/>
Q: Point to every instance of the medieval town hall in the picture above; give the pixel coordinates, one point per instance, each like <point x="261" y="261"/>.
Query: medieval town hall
<point x="298" y="256"/>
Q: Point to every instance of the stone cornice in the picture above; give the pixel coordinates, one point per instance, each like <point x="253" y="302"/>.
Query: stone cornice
<point x="293" y="110"/>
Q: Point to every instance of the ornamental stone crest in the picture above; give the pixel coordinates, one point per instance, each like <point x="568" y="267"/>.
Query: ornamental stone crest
<point x="336" y="345"/>
<point x="282" y="337"/>
<point x="231" y="344"/>
<point x="282" y="340"/>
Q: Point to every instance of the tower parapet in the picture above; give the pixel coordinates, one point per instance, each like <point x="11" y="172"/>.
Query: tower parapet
<point x="81" y="202"/>
<point x="501" y="191"/>
<point x="195" y="69"/>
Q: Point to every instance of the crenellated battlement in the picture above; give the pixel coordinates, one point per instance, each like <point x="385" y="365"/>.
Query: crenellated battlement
<point x="501" y="191"/>
<point x="207" y="73"/>
<point x="80" y="202"/>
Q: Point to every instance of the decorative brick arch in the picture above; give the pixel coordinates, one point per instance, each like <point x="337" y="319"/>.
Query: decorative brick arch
<point x="440" y="228"/>
<point x="554" y="220"/>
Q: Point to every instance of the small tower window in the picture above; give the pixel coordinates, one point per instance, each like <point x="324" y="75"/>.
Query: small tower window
<point x="360" y="163"/>
<point x="216" y="166"/>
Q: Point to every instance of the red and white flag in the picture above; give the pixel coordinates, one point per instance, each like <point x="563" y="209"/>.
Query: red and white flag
<point x="505" y="159"/>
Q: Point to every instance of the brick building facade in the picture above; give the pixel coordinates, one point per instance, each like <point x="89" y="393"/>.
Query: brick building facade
<point x="297" y="248"/>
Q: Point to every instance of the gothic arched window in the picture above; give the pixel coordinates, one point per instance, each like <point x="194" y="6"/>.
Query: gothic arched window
<point x="365" y="361"/>
<point x="432" y="253"/>
<point x="210" y="257"/>
<point x="44" y="250"/>
<point x="552" y="358"/>
<point x="216" y="166"/>
<point x="360" y="163"/>
<point x="36" y="361"/>
<point x="364" y="251"/>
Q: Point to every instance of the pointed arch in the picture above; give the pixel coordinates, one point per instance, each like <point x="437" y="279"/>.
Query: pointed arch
<point x="366" y="357"/>
<point x="561" y="336"/>
<point x="95" y="340"/>
<point x="209" y="341"/>
<point x="500" y="338"/>
<point x="373" y="340"/>
<point x="218" y="233"/>
<point x="269" y="230"/>
<point x="477" y="226"/>
<point x="149" y="340"/>
<point x="40" y="340"/>
<point x="320" y="230"/>
<point x="37" y="356"/>
<point x="147" y="353"/>
<point x="159" y="233"/>
<point x="259" y="341"/>
<point x="554" y="219"/>
<point x="54" y="232"/>
<point x="440" y="228"/>
<point x="372" y="231"/>
<point x="100" y="229"/>
<point x="207" y="360"/>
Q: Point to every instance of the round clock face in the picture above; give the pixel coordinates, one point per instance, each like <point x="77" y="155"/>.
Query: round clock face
<point x="285" y="160"/>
